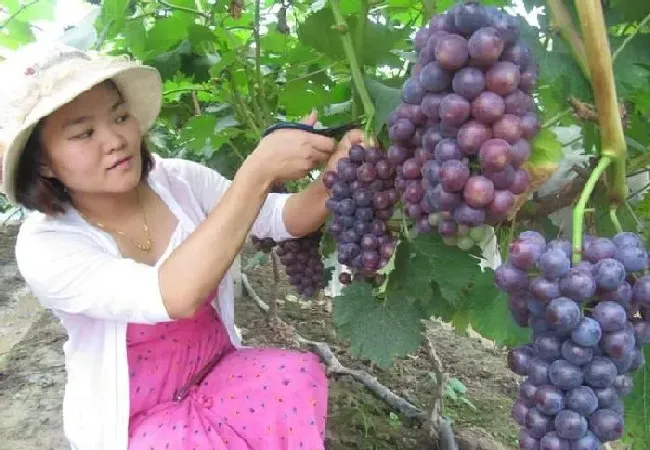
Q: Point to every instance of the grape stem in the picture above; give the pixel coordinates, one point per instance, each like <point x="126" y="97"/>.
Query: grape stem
<point x="579" y="210"/>
<point x="355" y="69"/>
<point x="599" y="60"/>
<point x="614" y="218"/>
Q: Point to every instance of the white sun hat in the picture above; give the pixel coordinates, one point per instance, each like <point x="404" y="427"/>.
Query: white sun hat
<point x="39" y="78"/>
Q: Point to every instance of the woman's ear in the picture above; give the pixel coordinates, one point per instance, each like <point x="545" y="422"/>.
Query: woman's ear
<point x="45" y="170"/>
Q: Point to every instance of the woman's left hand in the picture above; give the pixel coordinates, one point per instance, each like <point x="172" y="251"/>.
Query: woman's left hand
<point x="351" y="138"/>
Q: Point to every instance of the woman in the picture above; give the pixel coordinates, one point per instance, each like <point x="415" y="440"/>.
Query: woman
<point x="133" y="253"/>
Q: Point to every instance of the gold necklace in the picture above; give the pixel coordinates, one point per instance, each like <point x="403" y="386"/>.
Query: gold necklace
<point x="146" y="247"/>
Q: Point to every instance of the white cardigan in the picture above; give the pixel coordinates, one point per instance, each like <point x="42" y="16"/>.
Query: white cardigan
<point x="76" y="270"/>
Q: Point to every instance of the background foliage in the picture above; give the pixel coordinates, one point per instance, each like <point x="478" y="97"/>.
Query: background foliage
<point x="232" y="68"/>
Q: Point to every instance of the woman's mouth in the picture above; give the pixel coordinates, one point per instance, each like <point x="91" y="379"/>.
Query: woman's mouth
<point x="122" y="162"/>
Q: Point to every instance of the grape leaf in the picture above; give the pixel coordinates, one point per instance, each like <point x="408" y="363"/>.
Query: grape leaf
<point x="497" y="325"/>
<point x="385" y="98"/>
<point x="637" y="408"/>
<point x="380" y="330"/>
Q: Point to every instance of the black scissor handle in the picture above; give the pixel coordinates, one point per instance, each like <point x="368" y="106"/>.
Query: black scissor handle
<point x="333" y="132"/>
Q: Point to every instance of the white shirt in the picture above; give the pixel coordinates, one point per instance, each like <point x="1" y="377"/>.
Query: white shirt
<point x="77" y="271"/>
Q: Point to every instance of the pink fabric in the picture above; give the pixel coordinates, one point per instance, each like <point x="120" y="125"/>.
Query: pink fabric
<point x="253" y="399"/>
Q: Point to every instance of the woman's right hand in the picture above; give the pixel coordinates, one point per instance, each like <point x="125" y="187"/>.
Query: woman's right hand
<point x="288" y="154"/>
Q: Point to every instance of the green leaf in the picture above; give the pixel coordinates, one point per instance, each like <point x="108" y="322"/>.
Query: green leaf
<point x="166" y="33"/>
<point x="36" y="10"/>
<point x="637" y="408"/>
<point x="299" y="97"/>
<point x="112" y="16"/>
<point x="546" y="149"/>
<point x="489" y="313"/>
<point x="385" y="98"/>
<point x="16" y="34"/>
<point x="377" y="330"/>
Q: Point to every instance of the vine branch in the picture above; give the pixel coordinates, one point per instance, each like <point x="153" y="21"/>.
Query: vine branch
<point x="561" y="19"/>
<point x="258" y="64"/>
<point x="355" y="69"/>
<point x="184" y="9"/>
<point x="599" y="60"/>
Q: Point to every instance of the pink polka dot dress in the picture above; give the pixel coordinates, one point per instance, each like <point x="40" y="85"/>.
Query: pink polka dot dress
<point x="252" y="399"/>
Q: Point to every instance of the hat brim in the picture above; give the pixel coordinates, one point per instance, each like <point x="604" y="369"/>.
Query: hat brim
<point x="140" y="85"/>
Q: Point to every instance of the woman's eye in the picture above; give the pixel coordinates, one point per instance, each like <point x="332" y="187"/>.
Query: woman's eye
<point x="122" y="118"/>
<point x="84" y="135"/>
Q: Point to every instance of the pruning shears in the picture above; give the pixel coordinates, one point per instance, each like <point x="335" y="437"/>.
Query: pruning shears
<point x="332" y="132"/>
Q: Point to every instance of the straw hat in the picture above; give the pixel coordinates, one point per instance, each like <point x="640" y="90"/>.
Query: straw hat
<point x="40" y="78"/>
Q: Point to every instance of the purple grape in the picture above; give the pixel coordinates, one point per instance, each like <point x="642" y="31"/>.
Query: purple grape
<point x="468" y="82"/>
<point x="413" y="91"/>
<point x="575" y="353"/>
<point x="502" y="179"/>
<point x="582" y="400"/>
<point x="508" y="129"/>
<point x="401" y="130"/>
<point x="634" y="259"/>
<point x="434" y="78"/>
<point x="518" y="103"/>
<point x="641" y="291"/>
<point x="565" y="375"/>
<point x="563" y="314"/>
<point x="578" y="285"/>
<point x="570" y="425"/>
<point x="606" y="425"/>
<point x="478" y="191"/>
<point x="469" y="17"/>
<point x="587" y="442"/>
<point x="549" y="400"/>
<point x="600" y="372"/>
<point x="610" y="316"/>
<point x="524" y="253"/>
<point x="451" y="52"/>
<point x="510" y="279"/>
<point x="544" y="289"/>
<point x="472" y="135"/>
<point x="519" y="153"/>
<point x="502" y="78"/>
<point x="454" y="110"/>
<point x="397" y="154"/>
<point x="488" y="107"/>
<point x="453" y="175"/>
<point x="554" y="264"/>
<point x="493" y="155"/>
<point x="537" y="424"/>
<point x="587" y="333"/>
<point x="626" y="238"/>
<point x="530" y="126"/>
<point x="485" y="46"/>
<point x="446" y="150"/>
<point x="551" y="441"/>
<point x="520" y="183"/>
<point x="501" y="204"/>
<point x="468" y="215"/>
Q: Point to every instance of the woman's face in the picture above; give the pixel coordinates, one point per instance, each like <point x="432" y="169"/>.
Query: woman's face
<point x="92" y="144"/>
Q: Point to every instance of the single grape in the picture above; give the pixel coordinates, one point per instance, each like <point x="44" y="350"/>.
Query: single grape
<point x="537" y="424"/>
<point x="493" y="155"/>
<point x="607" y="425"/>
<point x="519" y="153"/>
<point x="502" y="203"/>
<point x="610" y="316"/>
<point x="468" y="215"/>
<point x="552" y="441"/>
<point x="502" y="78"/>
<point x="530" y="126"/>
<point x="563" y="314"/>
<point x="523" y="253"/>
<point x="488" y="107"/>
<point x="413" y="91"/>
<point x="434" y="78"/>
<point x="520" y="182"/>
<point x="453" y="175"/>
<point x="570" y="425"/>
<point x="507" y="128"/>
<point x="587" y="333"/>
<point x="575" y="353"/>
<point x="544" y="289"/>
<point x="565" y="375"/>
<point x="401" y="130"/>
<point x="626" y="238"/>
<point x="510" y="279"/>
<point x="582" y="400"/>
<point x="451" y="52"/>
<point x="468" y="82"/>
<point x="502" y="179"/>
<point x="485" y="46"/>
<point x="587" y="442"/>
<point x="518" y="103"/>
<point x="554" y="264"/>
<point x="469" y="17"/>
<point x="479" y="191"/>
<point x="600" y="372"/>
<point x="472" y="135"/>
<point x="454" y="110"/>
<point x="446" y="150"/>
<point x="634" y="258"/>
<point x="578" y="285"/>
<point x="549" y="400"/>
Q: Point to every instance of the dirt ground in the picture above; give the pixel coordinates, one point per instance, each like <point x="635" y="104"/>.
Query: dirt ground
<point x="32" y="373"/>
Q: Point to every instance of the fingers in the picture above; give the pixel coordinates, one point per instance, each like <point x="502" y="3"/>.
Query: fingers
<point x="352" y="137"/>
<point x="321" y="143"/>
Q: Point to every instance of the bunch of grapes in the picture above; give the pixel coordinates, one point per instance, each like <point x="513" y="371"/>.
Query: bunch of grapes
<point x="301" y="258"/>
<point x="462" y="133"/>
<point x="303" y="263"/>
<point x="589" y="324"/>
<point x="363" y="198"/>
